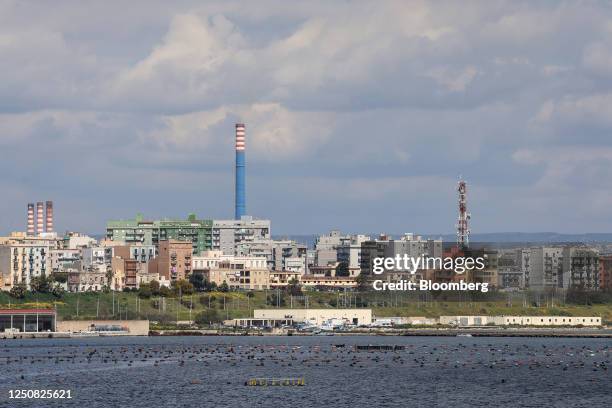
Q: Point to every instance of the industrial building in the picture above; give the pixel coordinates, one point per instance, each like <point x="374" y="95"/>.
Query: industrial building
<point x="358" y="317"/>
<point x="27" y="320"/>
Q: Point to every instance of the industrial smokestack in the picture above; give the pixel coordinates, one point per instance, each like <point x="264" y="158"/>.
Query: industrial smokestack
<point x="31" y="230"/>
<point x="39" y="218"/>
<point x="49" y="216"/>
<point x="240" y="205"/>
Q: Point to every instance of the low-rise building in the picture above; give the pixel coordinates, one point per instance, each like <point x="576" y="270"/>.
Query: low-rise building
<point x="27" y="320"/>
<point x="462" y="321"/>
<point x="86" y="281"/>
<point x="281" y="279"/>
<point x="358" y="317"/>
<point x="331" y="282"/>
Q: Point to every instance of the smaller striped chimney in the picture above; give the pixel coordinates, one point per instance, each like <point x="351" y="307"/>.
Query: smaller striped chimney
<point x="49" y="216"/>
<point x="39" y="218"/>
<point x="31" y="230"/>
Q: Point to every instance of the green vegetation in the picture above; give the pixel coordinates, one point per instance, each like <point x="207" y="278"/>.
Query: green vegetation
<point x="164" y="305"/>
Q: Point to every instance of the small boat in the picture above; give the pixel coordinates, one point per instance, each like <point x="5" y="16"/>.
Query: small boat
<point x="464" y="335"/>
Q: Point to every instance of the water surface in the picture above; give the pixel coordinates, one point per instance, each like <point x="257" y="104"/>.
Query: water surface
<point x="211" y="371"/>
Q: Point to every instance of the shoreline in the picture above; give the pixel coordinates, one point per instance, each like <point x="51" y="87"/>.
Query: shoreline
<point x="422" y="332"/>
<point x="467" y="332"/>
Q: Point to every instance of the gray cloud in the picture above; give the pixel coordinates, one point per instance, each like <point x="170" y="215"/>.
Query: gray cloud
<point x="359" y="115"/>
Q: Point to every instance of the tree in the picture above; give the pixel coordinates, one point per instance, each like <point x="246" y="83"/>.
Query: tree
<point x="144" y="291"/>
<point x="18" y="291"/>
<point x="40" y="284"/>
<point x="59" y="277"/>
<point x="109" y="277"/>
<point x="164" y="291"/>
<point x="208" y="316"/>
<point x="276" y="299"/>
<point x="182" y="286"/>
<point x="342" y="269"/>
<point x="362" y="283"/>
<point x="58" y="291"/>
<point x="224" y="287"/>
<point x="154" y="287"/>
<point x="198" y="282"/>
<point x="294" y="287"/>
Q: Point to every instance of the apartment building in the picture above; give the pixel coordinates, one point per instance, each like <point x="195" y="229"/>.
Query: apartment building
<point x="605" y="272"/>
<point x="20" y="262"/>
<point x="65" y="260"/>
<point x="234" y="237"/>
<point x="546" y="268"/>
<point x="139" y="231"/>
<point x="238" y="272"/>
<point x="349" y="252"/>
<point x="90" y="281"/>
<point x="581" y="268"/>
<point x="173" y="261"/>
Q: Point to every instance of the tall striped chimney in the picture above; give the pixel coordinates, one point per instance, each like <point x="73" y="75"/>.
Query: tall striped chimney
<point x="49" y="216"/>
<point x="240" y="205"/>
<point x="31" y="230"/>
<point x="39" y="218"/>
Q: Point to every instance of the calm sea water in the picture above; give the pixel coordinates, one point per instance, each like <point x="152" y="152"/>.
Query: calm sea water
<point x="211" y="371"/>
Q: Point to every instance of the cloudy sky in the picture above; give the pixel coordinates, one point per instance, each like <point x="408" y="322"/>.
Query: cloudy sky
<point x="360" y="115"/>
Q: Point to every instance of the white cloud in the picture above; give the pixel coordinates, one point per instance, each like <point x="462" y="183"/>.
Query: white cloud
<point x="274" y="133"/>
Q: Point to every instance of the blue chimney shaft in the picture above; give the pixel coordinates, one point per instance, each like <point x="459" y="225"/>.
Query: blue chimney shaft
<point x="240" y="195"/>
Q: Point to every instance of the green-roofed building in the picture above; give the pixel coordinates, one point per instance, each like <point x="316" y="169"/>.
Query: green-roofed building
<point x="141" y="231"/>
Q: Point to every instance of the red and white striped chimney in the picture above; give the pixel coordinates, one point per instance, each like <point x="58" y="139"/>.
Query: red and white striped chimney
<point x="49" y="216"/>
<point x="240" y="133"/>
<point x="39" y="218"/>
<point x="31" y="219"/>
